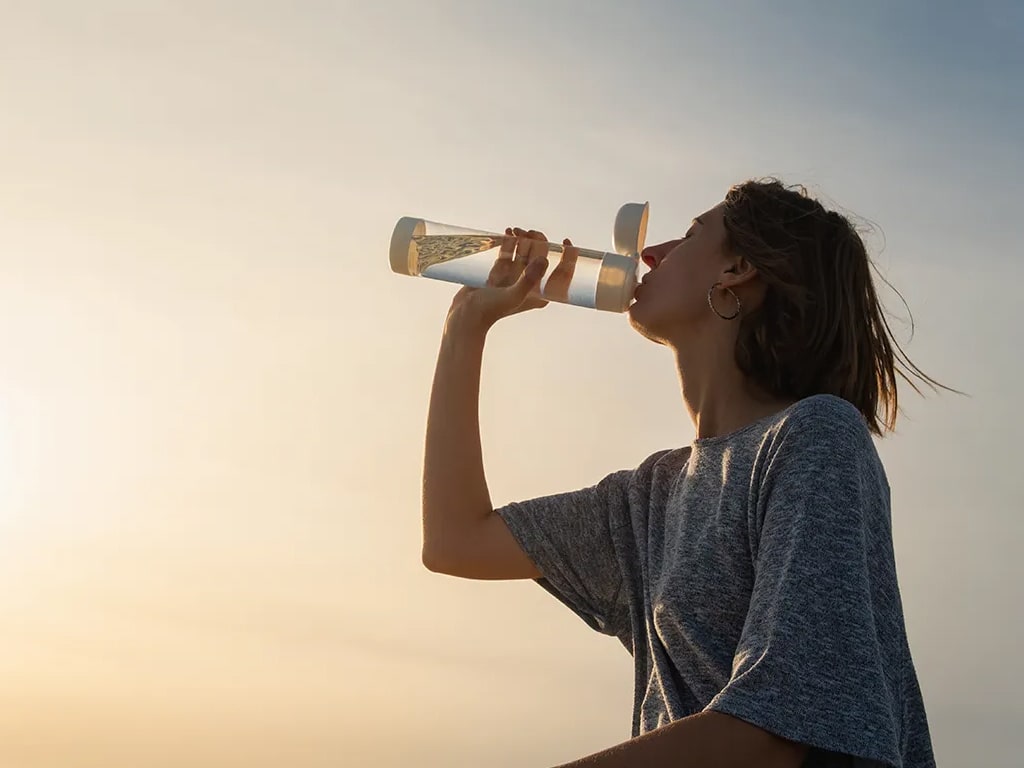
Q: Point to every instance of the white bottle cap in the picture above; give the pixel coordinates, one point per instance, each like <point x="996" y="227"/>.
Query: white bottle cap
<point x="403" y="255"/>
<point x="631" y="228"/>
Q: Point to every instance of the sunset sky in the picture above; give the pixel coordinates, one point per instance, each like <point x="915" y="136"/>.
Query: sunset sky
<point x="213" y="390"/>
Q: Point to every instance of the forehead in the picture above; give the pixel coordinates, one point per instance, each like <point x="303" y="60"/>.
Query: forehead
<point x="713" y="219"/>
<point x="714" y="215"/>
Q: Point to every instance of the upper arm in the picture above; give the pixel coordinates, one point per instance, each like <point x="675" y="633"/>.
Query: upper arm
<point x="578" y="545"/>
<point x="487" y="550"/>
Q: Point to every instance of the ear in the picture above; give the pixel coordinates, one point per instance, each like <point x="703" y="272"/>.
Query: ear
<point x="738" y="271"/>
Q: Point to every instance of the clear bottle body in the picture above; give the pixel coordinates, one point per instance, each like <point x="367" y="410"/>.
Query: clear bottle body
<point x="594" y="279"/>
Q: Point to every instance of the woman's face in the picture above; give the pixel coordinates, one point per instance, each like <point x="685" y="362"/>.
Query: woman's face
<point x="672" y="300"/>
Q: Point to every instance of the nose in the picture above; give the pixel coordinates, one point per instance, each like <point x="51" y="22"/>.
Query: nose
<point x="652" y="255"/>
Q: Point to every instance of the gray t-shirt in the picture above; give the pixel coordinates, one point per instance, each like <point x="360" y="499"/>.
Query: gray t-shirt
<point x="751" y="574"/>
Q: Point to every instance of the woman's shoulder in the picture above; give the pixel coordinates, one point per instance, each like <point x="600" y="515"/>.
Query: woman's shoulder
<point x="668" y="460"/>
<point x="821" y="416"/>
<point x="825" y="431"/>
<point x="818" y="423"/>
<point x="659" y="469"/>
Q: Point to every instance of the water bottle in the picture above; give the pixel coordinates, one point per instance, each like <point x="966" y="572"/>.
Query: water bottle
<point x="597" y="279"/>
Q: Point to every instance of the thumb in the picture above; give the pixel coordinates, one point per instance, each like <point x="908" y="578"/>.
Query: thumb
<point x="531" y="276"/>
<point x="516" y="297"/>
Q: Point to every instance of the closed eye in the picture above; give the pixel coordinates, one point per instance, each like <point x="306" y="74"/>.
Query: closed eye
<point x="693" y="226"/>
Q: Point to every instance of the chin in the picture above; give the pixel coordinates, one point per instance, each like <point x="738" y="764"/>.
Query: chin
<point x="641" y="324"/>
<point x="655" y="326"/>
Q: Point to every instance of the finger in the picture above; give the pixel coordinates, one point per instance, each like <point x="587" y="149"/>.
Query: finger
<point x="529" y="243"/>
<point x="520" y="295"/>
<point x="522" y="254"/>
<point x="538" y="244"/>
<point x="522" y="249"/>
<point x="570" y="252"/>
<point x="527" y="287"/>
<point x="531" y="277"/>
<point x="501" y="270"/>
<point x="508" y="245"/>
<point x="557" y="285"/>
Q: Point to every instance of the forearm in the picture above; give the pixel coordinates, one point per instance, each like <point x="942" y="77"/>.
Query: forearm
<point x="455" y="493"/>
<point x="705" y="740"/>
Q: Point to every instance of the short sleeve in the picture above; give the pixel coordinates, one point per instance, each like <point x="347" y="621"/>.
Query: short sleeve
<point x="821" y="655"/>
<point x="574" y="539"/>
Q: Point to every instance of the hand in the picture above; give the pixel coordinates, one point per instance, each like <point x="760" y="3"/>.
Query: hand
<point x="516" y="273"/>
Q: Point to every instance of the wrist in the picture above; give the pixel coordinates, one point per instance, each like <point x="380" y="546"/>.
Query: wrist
<point x="465" y="323"/>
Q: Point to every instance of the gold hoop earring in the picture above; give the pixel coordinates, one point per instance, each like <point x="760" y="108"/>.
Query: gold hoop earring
<point x="711" y="303"/>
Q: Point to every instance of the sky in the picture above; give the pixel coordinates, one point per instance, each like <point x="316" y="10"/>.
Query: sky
<point x="213" y="391"/>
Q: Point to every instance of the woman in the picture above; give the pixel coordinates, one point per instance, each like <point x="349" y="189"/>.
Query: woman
<point x="750" y="574"/>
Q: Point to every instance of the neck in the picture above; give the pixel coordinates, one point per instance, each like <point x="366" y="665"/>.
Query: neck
<point x="718" y="397"/>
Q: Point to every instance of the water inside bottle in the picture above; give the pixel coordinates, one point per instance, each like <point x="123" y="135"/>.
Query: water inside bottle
<point x="470" y="258"/>
<point x="434" y="249"/>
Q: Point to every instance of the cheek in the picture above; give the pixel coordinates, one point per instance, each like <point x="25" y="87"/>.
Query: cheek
<point x="684" y="286"/>
<point x="677" y="299"/>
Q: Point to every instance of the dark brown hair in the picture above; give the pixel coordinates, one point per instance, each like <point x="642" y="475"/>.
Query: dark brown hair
<point x="821" y="328"/>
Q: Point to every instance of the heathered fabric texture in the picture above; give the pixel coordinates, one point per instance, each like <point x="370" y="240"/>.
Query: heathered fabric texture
<point x="751" y="574"/>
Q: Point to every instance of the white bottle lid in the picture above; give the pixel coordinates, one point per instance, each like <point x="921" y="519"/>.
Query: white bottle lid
<point x="630" y="231"/>
<point x="403" y="255"/>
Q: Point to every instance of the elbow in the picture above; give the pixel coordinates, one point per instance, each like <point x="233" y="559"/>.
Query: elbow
<point x="435" y="561"/>
<point x="431" y="561"/>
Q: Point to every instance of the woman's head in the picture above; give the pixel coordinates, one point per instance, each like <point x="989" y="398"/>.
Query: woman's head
<point x="792" y="281"/>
